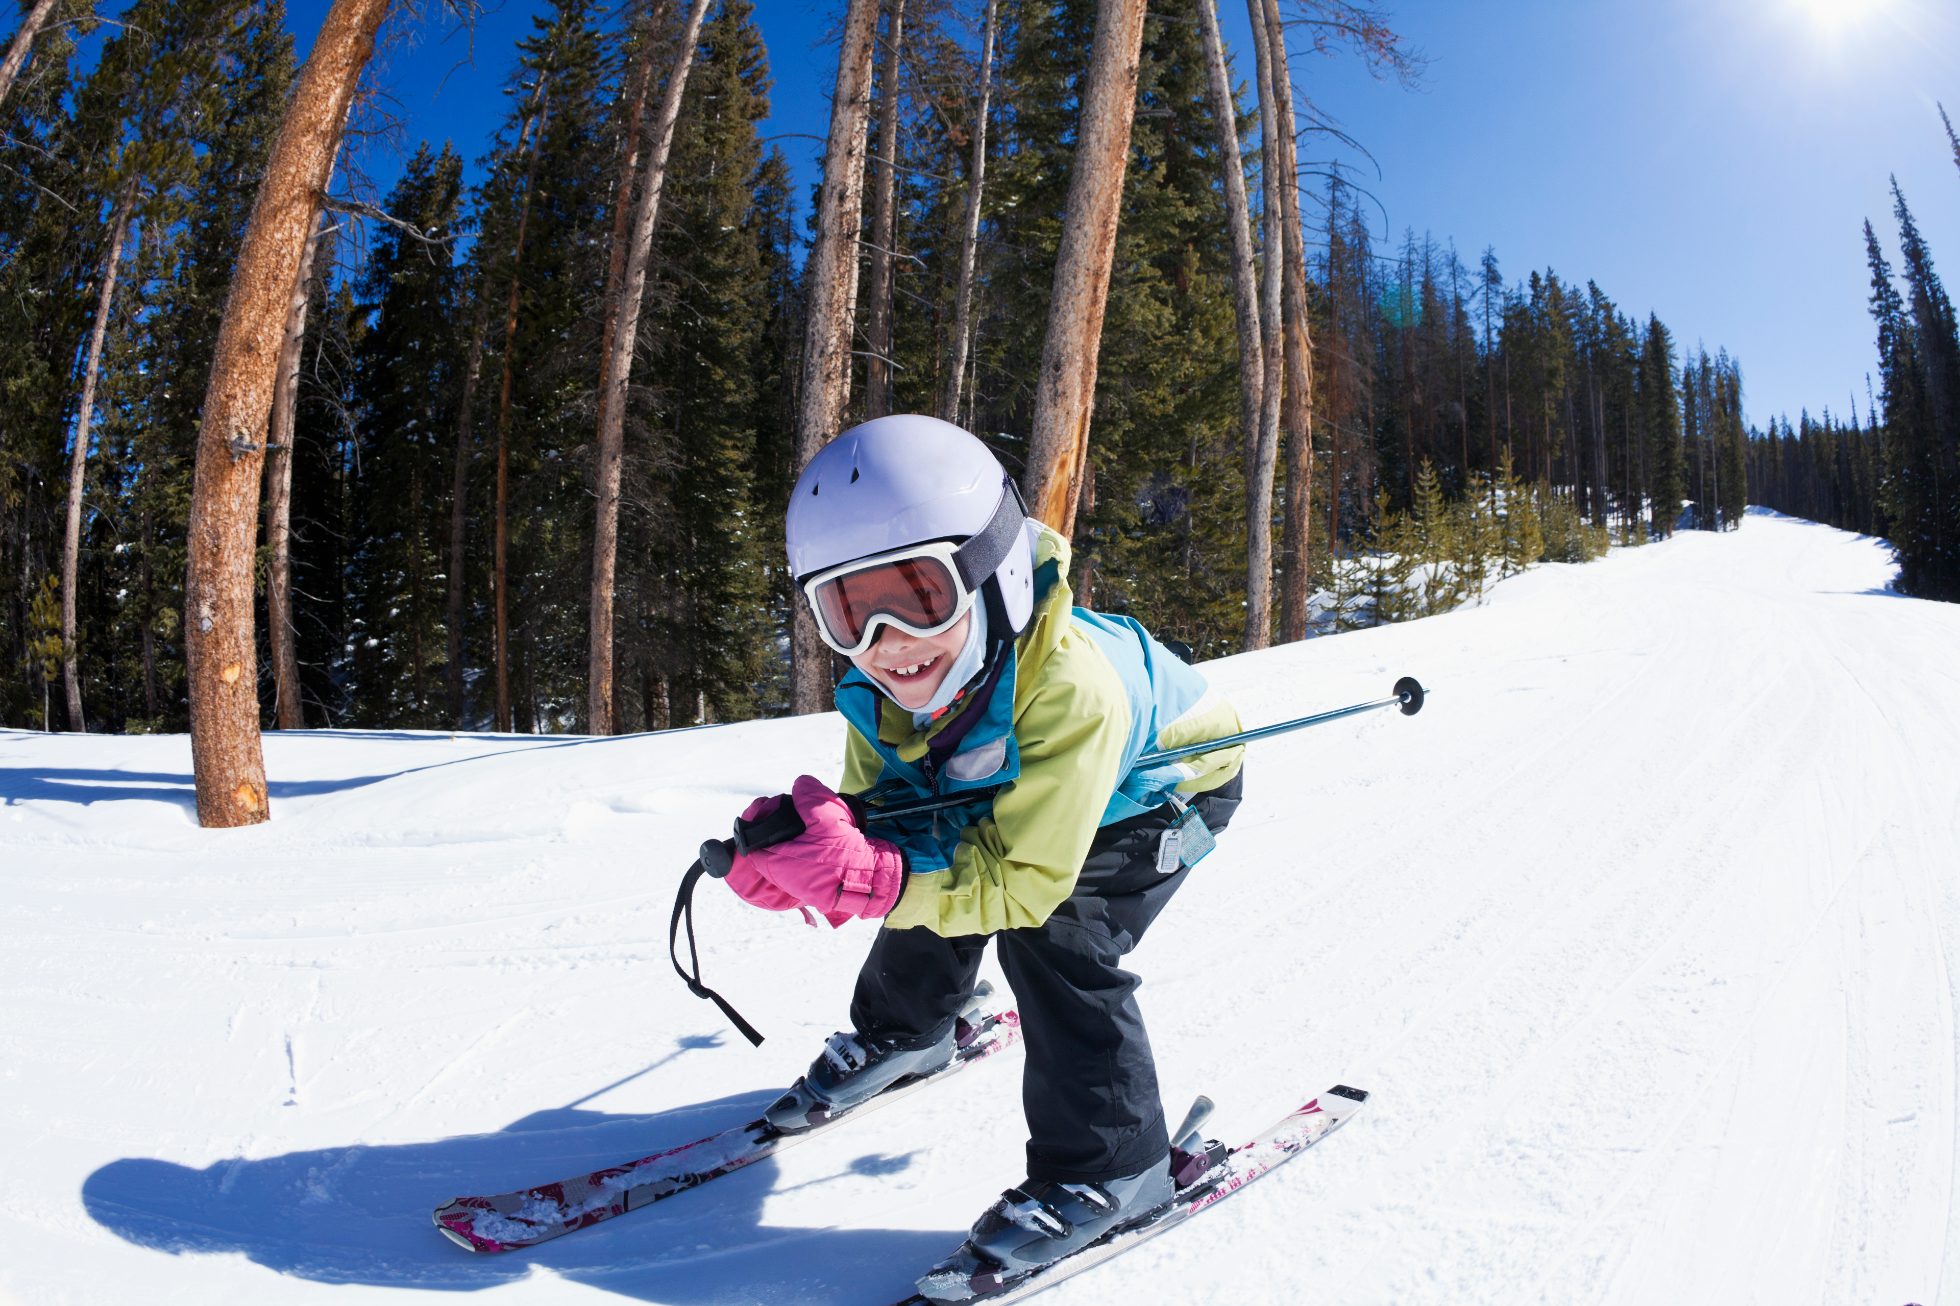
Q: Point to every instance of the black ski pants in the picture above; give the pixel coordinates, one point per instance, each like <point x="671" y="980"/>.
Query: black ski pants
<point x="1089" y="1089"/>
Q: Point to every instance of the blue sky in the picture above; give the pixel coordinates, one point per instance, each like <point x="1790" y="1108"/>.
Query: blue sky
<point x="1711" y="161"/>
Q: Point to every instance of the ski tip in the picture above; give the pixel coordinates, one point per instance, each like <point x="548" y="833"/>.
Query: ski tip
<point x="455" y="1237"/>
<point x="1352" y="1094"/>
<point x="462" y="1236"/>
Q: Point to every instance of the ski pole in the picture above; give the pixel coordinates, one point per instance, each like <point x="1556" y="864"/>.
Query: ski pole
<point x="1407" y="695"/>
<point x="717" y="856"/>
<point x="782" y="825"/>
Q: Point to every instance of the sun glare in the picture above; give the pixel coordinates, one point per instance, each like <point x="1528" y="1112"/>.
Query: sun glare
<point x="1839" y="17"/>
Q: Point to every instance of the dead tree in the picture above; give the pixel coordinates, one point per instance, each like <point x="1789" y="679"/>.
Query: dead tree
<point x="71" y="542"/>
<point x="219" y="639"/>
<point x="832" y="280"/>
<point x="884" y="223"/>
<point x="949" y="408"/>
<point x="23" y="40"/>
<point x="616" y="374"/>
<point x="1262" y="446"/>
<point x="1065" y="390"/>
<point x="1296" y="412"/>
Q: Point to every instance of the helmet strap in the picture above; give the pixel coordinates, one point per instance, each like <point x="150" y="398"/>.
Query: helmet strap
<point x="981" y="555"/>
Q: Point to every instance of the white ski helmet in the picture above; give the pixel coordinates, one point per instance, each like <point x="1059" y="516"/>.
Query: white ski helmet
<point x="905" y="480"/>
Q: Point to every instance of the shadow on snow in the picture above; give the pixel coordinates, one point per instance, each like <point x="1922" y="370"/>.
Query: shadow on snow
<point x="361" y="1215"/>
<point x="88" y="786"/>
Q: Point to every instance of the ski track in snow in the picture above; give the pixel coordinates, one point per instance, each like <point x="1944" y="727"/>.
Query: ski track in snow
<point x="1642" y="935"/>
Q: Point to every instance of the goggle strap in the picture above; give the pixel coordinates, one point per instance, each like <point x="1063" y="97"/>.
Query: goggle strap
<point x="981" y="555"/>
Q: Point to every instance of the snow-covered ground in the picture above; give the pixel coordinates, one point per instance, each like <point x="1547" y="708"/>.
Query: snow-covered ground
<point x="1642" y="936"/>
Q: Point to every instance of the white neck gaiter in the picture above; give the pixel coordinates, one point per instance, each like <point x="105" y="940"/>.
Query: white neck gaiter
<point x="966" y="665"/>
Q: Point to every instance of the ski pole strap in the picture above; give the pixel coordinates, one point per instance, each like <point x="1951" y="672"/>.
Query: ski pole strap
<point x="684" y="911"/>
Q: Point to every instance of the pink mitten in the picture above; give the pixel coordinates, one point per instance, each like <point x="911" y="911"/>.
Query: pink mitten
<point x="747" y="879"/>
<point x="832" y="866"/>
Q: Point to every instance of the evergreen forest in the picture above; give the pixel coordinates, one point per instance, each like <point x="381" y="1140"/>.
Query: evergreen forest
<point x="428" y="548"/>
<point x="1896" y="471"/>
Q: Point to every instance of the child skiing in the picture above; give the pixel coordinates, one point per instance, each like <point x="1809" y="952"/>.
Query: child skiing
<point x="972" y="672"/>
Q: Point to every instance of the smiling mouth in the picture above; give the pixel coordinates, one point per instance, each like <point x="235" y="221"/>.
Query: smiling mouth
<point x="912" y="672"/>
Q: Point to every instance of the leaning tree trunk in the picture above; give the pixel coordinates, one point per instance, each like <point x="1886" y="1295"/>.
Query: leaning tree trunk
<point x="23" y="39"/>
<point x="1065" y="390"/>
<point x="830" y="275"/>
<point x="1297" y="404"/>
<point x="949" y="408"/>
<point x="279" y="500"/>
<point x="617" y="374"/>
<point x="1262" y="447"/>
<point x="219" y="640"/>
<point x="884" y="225"/>
<point x="71" y="542"/>
<point x="1238" y="216"/>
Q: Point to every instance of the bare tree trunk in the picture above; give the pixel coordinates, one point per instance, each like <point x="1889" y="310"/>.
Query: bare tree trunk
<point x="500" y="573"/>
<point x="71" y="543"/>
<point x="1262" y="446"/>
<point x="617" y="373"/>
<point x="949" y="408"/>
<point x="1065" y="392"/>
<point x="1245" y="276"/>
<point x="219" y="641"/>
<point x="632" y="124"/>
<point x="605" y="537"/>
<point x="23" y="39"/>
<point x="1297" y="406"/>
<point x="279" y="499"/>
<point x="831" y="275"/>
<point x="884" y="224"/>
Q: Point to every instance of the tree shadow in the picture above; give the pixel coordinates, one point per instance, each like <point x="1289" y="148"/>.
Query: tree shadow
<point x="361" y="1215"/>
<point x="88" y="786"/>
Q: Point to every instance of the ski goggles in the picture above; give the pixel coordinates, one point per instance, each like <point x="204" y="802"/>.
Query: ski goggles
<point x="923" y="589"/>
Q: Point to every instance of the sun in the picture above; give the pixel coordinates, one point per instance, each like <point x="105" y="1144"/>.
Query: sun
<point x="1839" y="17"/>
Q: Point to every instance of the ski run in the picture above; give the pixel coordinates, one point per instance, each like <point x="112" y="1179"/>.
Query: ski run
<point x="1641" y="938"/>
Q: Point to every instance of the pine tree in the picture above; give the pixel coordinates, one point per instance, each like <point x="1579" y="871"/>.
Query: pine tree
<point x="1936" y="435"/>
<point x="1660" y="423"/>
<point x="406" y="374"/>
<point x="695" y="648"/>
<point x="542" y="221"/>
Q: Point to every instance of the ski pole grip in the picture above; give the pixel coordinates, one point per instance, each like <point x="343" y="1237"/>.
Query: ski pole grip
<point x="779" y="826"/>
<point x="718" y="857"/>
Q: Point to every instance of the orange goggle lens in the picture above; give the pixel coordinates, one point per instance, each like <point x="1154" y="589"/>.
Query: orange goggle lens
<point x="919" y="593"/>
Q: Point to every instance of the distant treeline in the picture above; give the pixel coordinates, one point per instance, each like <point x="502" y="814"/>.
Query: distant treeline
<point x="442" y="427"/>
<point x="1897" y="473"/>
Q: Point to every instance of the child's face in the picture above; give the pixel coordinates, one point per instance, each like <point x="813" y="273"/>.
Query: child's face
<point x="910" y="667"/>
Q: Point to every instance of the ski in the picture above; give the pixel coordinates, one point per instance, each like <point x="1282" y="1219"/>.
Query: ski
<point x="1206" y="1173"/>
<point x="526" y="1217"/>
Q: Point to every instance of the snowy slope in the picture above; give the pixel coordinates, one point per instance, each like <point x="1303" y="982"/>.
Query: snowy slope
<point x="1642" y="935"/>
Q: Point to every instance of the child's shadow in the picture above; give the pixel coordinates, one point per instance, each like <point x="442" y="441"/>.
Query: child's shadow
<point x="362" y="1215"/>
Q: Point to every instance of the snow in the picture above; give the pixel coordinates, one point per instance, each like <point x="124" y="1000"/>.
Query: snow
<point x="1641" y="935"/>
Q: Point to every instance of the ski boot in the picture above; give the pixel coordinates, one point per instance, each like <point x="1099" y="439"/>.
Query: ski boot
<point x="854" y="1069"/>
<point x="1039" y="1223"/>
